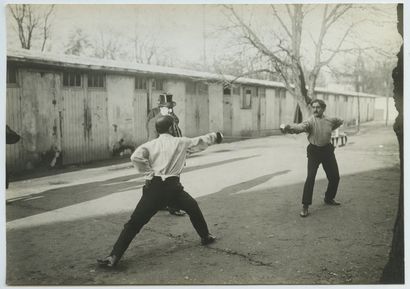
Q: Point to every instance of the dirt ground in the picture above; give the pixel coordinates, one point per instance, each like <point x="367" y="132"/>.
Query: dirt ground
<point x="261" y="238"/>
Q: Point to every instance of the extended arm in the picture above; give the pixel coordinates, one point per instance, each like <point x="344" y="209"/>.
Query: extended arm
<point x="296" y="128"/>
<point x="200" y="143"/>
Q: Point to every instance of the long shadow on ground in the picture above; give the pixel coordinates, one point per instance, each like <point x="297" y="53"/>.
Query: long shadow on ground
<point x="261" y="240"/>
<point x="71" y="195"/>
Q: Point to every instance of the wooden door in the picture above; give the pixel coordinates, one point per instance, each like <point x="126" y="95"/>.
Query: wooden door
<point x="75" y="126"/>
<point x="84" y="123"/>
<point x="98" y="132"/>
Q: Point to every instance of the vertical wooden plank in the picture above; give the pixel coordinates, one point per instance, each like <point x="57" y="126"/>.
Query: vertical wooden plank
<point x="202" y="112"/>
<point x="98" y="142"/>
<point x="263" y="110"/>
<point x="216" y="104"/>
<point x="140" y="116"/>
<point x="73" y="140"/>
<point x="15" y="157"/>
<point x="191" y="117"/>
<point x="270" y="108"/>
<point x="227" y="115"/>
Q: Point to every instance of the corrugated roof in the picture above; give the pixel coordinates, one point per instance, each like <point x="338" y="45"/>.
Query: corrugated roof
<point x="73" y="61"/>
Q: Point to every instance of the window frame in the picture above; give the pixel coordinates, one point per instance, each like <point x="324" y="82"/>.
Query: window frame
<point x="9" y="69"/>
<point x="141" y="80"/>
<point x="155" y="82"/>
<point x="70" y="73"/>
<point x="246" y="103"/>
<point x="96" y="74"/>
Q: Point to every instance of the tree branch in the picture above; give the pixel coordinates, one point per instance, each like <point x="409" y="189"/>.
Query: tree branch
<point x="281" y="21"/>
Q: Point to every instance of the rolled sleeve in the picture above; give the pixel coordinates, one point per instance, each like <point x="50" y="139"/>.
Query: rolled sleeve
<point x="200" y="143"/>
<point x="300" y="127"/>
<point x="140" y="160"/>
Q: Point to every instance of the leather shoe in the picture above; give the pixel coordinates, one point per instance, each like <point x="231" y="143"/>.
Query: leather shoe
<point x="109" y="261"/>
<point x="208" y="239"/>
<point x="331" y="202"/>
<point x="305" y="212"/>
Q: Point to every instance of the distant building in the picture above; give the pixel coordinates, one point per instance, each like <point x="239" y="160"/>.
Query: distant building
<point x="81" y="109"/>
<point x="385" y="109"/>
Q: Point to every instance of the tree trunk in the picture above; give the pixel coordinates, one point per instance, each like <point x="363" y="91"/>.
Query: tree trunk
<point x="393" y="272"/>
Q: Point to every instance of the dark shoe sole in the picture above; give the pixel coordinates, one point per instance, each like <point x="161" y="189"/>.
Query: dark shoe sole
<point x="208" y="241"/>
<point x="332" y="204"/>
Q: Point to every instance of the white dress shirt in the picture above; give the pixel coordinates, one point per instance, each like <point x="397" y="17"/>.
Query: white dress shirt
<point x="165" y="156"/>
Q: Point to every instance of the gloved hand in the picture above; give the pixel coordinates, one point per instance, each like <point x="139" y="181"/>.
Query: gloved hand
<point x="284" y="128"/>
<point x="219" y="137"/>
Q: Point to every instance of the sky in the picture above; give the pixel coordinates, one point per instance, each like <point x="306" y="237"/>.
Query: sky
<point x="181" y="27"/>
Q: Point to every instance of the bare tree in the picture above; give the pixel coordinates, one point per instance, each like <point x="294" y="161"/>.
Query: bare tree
<point x="285" y="57"/>
<point x="145" y="49"/>
<point x="108" y="46"/>
<point x="78" y="43"/>
<point x="46" y="26"/>
<point x="32" y="20"/>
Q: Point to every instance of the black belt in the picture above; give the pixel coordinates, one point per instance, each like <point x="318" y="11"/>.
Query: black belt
<point x="168" y="178"/>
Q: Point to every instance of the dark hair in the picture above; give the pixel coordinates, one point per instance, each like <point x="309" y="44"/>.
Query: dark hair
<point x="163" y="123"/>
<point x="320" y="102"/>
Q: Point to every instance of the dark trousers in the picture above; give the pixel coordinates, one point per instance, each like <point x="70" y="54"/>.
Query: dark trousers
<point x="157" y="194"/>
<point x="325" y="156"/>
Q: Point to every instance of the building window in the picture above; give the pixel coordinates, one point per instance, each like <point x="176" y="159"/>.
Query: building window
<point x="246" y="98"/>
<point x="227" y="90"/>
<point x="190" y="87"/>
<point x="11" y="75"/>
<point x="72" y="79"/>
<point x="140" y="83"/>
<point x="202" y="88"/>
<point x="325" y="97"/>
<point x="230" y="89"/>
<point x="96" y="80"/>
<point x="345" y="98"/>
<point x="158" y="84"/>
